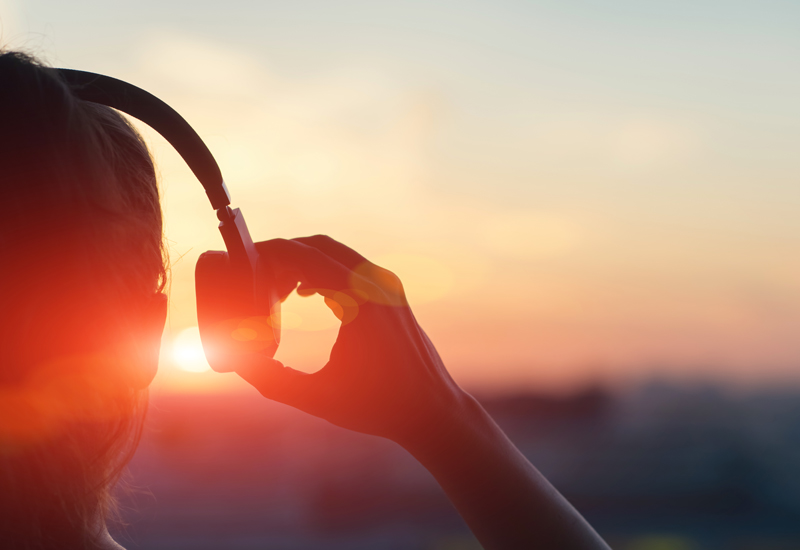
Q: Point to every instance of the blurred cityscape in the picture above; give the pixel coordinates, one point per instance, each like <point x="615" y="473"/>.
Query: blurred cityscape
<point x="661" y="467"/>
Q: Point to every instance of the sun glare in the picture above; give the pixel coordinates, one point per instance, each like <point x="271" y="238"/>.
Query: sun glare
<point x="187" y="351"/>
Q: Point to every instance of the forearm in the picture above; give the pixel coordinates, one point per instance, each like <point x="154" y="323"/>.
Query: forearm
<point x="384" y="377"/>
<point x="506" y="502"/>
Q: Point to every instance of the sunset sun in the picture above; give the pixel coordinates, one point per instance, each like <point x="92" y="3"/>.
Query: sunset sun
<point x="187" y="351"/>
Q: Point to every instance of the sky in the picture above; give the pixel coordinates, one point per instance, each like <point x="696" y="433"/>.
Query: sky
<point x="573" y="192"/>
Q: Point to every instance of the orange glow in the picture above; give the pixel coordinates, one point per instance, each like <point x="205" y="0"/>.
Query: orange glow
<point x="187" y="351"/>
<point x="70" y="389"/>
<point x="543" y="237"/>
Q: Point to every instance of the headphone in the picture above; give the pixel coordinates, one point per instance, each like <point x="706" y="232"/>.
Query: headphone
<point x="238" y="309"/>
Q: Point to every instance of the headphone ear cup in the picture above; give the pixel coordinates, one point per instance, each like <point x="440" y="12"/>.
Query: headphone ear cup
<point x="231" y="322"/>
<point x="213" y="289"/>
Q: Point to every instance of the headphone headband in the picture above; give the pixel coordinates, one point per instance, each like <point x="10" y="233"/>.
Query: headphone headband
<point x="158" y="115"/>
<point x="239" y="274"/>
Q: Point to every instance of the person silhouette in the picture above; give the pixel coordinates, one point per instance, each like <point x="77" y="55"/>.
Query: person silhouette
<point x="83" y="309"/>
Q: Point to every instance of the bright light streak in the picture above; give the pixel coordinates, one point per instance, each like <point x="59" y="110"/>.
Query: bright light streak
<point x="187" y="351"/>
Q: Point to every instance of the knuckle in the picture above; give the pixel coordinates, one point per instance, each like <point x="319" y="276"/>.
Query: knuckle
<point x="318" y="238"/>
<point x="271" y="244"/>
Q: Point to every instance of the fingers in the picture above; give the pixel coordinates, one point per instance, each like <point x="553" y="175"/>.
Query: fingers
<point x="275" y="381"/>
<point x="382" y="278"/>
<point x="312" y="266"/>
<point x="320" y="269"/>
<point x="336" y="250"/>
<point x="279" y="286"/>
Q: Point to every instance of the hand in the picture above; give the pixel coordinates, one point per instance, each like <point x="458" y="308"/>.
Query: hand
<point x="384" y="376"/>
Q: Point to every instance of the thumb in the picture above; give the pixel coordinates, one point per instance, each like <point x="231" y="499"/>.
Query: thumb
<point x="276" y="381"/>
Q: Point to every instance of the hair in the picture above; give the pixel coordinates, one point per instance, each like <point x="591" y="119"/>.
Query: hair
<point x="82" y="255"/>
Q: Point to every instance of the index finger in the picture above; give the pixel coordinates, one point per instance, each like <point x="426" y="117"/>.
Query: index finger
<point x="336" y="250"/>
<point x="313" y="267"/>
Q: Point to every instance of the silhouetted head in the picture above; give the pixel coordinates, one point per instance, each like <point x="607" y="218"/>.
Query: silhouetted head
<point x="81" y="304"/>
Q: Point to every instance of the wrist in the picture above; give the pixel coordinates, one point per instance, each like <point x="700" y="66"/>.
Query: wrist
<point x="449" y="430"/>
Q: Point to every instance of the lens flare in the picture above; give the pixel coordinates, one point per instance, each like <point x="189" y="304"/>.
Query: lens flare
<point x="287" y="320"/>
<point x="187" y="351"/>
<point x="244" y="334"/>
<point x="307" y="314"/>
